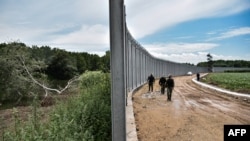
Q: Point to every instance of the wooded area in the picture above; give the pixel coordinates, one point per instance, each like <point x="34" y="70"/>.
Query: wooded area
<point x="53" y="67"/>
<point x="49" y="67"/>
<point x="227" y="63"/>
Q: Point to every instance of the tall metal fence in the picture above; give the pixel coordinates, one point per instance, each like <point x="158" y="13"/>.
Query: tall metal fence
<point x="139" y="64"/>
<point x="131" y="64"/>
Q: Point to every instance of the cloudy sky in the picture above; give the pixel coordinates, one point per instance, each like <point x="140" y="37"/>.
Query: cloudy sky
<point x="177" y="30"/>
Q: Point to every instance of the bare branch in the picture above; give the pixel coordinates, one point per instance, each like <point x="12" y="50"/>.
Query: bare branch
<point x="45" y="87"/>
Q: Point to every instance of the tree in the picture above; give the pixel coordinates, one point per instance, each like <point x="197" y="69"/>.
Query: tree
<point x="210" y="62"/>
<point x="24" y="69"/>
<point x="81" y="63"/>
<point x="94" y="62"/>
<point x="61" y="66"/>
<point x="42" y="85"/>
<point x="105" y="62"/>
<point x="13" y="80"/>
<point x="5" y="79"/>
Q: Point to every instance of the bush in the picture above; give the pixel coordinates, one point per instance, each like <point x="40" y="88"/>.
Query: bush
<point x="61" y="67"/>
<point x="86" y="117"/>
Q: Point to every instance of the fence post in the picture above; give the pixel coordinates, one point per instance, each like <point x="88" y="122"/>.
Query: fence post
<point x="118" y="84"/>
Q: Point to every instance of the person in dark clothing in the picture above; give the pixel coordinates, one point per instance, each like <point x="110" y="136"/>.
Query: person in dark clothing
<point x="198" y="76"/>
<point x="162" y="83"/>
<point x="151" y="81"/>
<point x="170" y="87"/>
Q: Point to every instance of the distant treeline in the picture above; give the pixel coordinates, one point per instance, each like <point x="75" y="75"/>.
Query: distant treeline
<point x="52" y="65"/>
<point x="57" y="63"/>
<point x="227" y="63"/>
<point x="46" y="64"/>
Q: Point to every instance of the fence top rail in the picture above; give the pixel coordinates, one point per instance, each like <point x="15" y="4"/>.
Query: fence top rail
<point x="138" y="46"/>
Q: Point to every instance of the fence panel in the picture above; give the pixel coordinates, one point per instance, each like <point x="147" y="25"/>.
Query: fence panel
<point x="141" y="64"/>
<point x="131" y="64"/>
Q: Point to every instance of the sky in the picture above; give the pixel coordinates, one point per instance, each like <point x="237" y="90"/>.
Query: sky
<point x="182" y="31"/>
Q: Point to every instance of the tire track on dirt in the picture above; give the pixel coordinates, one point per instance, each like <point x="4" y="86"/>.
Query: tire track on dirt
<point x="194" y="113"/>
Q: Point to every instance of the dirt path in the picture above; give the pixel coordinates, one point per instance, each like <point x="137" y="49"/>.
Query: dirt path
<point x="194" y="114"/>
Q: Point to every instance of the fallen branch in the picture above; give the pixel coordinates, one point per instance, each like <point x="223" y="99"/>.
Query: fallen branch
<point x="45" y="87"/>
<point x="19" y="99"/>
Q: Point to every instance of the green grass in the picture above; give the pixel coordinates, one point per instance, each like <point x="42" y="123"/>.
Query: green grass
<point x="238" y="82"/>
<point x="83" y="117"/>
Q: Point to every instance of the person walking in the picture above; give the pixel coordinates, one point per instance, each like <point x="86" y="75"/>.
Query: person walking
<point x="170" y="87"/>
<point x="198" y="76"/>
<point x="162" y="83"/>
<point x="151" y="80"/>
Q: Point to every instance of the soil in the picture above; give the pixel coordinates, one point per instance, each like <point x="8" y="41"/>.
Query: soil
<point x="194" y="114"/>
<point x="24" y="113"/>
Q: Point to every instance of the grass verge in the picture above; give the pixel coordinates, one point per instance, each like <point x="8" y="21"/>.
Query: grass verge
<point x="238" y="82"/>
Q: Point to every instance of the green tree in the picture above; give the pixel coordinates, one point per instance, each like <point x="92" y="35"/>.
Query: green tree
<point x="105" y="62"/>
<point x="61" y="66"/>
<point x="15" y="85"/>
<point x="48" y="66"/>
<point x="210" y="62"/>
<point x="81" y="63"/>
<point x="94" y="62"/>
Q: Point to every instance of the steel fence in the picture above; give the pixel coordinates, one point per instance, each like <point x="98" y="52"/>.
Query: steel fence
<point x="131" y="64"/>
<point x="140" y="64"/>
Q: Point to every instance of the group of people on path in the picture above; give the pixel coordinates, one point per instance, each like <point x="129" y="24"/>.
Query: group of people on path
<point x="164" y="83"/>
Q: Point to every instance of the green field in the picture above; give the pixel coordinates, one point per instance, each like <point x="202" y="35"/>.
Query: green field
<point x="238" y="82"/>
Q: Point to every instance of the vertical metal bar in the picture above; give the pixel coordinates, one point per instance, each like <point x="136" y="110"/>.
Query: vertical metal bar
<point x="134" y="65"/>
<point x="127" y="60"/>
<point x="137" y="66"/>
<point x="142" y="66"/>
<point x="131" y="66"/>
<point x="118" y="84"/>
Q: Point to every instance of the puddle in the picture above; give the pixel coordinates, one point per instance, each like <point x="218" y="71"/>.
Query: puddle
<point x="151" y="95"/>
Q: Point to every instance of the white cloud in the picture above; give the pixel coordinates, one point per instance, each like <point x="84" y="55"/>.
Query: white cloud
<point x="192" y="58"/>
<point x="169" y="48"/>
<point x="212" y="33"/>
<point x="188" y="52"/>
<point x="184" y="37"/>
<point x="78" y="25"/>
<point x="88" y="34"/>
<point x="46" y="12"/>
<point x="145" y="17"/>
<point x="82" y="25"/>
<point x="232" y="33"/>
<point x="24" y="34"/>
<point x="180" y="52"/>
<point x="195" y="58"/>
<point x="90" y="38"/>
